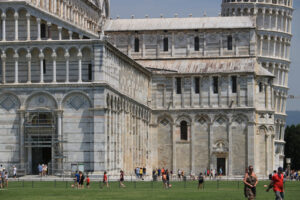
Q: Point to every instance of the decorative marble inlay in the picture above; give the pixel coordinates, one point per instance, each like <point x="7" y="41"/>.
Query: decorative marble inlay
<point x="164" y="122"/>
<point x="77" y="102"/>
<point x="8" y="103"/>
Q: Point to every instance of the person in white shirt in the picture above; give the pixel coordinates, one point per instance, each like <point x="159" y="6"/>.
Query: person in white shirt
<point x="15" y="171"/>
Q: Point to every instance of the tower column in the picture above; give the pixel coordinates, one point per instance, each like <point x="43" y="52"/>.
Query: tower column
<point x="79" y="56"/>
<point x="54" y="56"/>
<point x="269" y="45"/>
<point x="3" y="58"/>
<point x="41" y="57"/>
<point x="270" y="19"/>
<point x="28" y="26"/>
<point x="230" y="154"/>
<point x="67" y="57"/>
<point x="59" y="33"/>
<point x="261" y="44"/>
<point x="174" y="167"/>
<point x="263" y="17"/>
<point x="276" y="19"/>
<point x="16" y="58"/>
<point x="16" y="17"/>
<point x="70" y="35"/>
<point x="28" y="58"/>
<point x="274" y="47"/>
<point x="3" y="17"/>
<point x="38" y="20"/>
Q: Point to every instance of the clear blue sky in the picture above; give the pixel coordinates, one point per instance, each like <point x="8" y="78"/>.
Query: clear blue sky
<point x="153" y="8"/>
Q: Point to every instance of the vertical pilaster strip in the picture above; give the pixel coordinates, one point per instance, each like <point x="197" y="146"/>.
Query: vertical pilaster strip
<point x="192" y="148"/>
<point x="251" y="144"/>
<point x="21" y="138"/>
<point x="16" y="17"/>
<point x="230" y="154"/>
<point x="174" y="168"/>
<point x="3" y="58"/>
<point x="28" y="26"/>
<point x="67" y="57"/>
<point x="3" y="17"/>
<point x="16" y="58"/>
<point x="38" y="20"/>
<point x="28" y="58"/>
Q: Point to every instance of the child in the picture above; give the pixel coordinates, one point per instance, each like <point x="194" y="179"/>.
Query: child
<point x="88" y="182"/>
<point x="105" y="181"/>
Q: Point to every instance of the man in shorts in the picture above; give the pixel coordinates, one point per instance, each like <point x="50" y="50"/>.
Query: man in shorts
<point x="105" y="180"/>
<point x="200" y="181"/>
<point x="277" y="183"/>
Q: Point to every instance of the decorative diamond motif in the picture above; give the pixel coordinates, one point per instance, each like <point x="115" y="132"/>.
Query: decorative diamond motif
<point x="239" y="120"/>
<point x="220" y="120"/>
<point x="77" y="102"/>
<point x="202" y="121"/>
<point x="164" y="122"/>
<point x="8" y="103"/>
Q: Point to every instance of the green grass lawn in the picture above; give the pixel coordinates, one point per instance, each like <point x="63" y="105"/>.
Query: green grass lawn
<point x="139" y="191"/>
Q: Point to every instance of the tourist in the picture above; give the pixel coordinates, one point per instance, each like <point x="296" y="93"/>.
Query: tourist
<point x="164" y="180"/>
<point x="159" y="172"/>
<point x="144" y="171"/>
<point x="220" y="171"/>
<point x="1" y="184"/>
<point x="6" y="180"/>
<point x="200" y="181"/>
<point x="277" y="184"/>
<point x="211" y="173"/>
<point x="141" y="173"/>
<point x="81" y="180"/>
<point x="40" y="168"/>
<point x="122" y="179"/>
<point x="250" y="181"/>
<point x="15" y="171"/>
<point x="214" y="173"/>
<point x="168" y="178"/>
<point x="105" y="180"/>
<point x="88" y="182"/>
<point x="46" y="170"/>
<point x="179" y="174"/>
<point x="3" y="177"/>
<point x="77" y="178"/>
<point x="137" y="171"/>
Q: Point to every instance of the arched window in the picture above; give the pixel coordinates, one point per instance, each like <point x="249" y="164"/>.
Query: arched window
<point x="166" y="44"/>
<point x="261" y="87"/>
<point x="136" y="45"/>
<point x="196" y="44"/>
<point x="183" y="130"/>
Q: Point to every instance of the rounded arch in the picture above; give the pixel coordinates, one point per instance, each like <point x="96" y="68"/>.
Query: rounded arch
<point x="9" y="9"/>
<point x="41" y="99"/>
<point x="72" y="93"/>
<point x="184" y="117"/>
<point x="262" y="130"/>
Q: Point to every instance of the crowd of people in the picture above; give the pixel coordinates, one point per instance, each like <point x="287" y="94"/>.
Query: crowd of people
<point x="3" y="177"/>
<point x="140" y="172"/>
<point x="43" y="169"/>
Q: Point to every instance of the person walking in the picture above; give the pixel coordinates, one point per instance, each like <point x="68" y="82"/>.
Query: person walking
<point x="15" y="171"/>
<point x="277" y="184"/>
<point x="105" y="180"/>
<point x="250" y="181"/>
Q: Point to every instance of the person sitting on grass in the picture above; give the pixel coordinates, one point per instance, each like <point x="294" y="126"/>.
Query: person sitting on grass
<point x="105" y="180"/>
<point x="200" y="181"/>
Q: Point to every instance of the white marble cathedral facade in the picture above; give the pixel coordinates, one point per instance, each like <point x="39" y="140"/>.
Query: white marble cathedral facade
<point x="81" y="89"/>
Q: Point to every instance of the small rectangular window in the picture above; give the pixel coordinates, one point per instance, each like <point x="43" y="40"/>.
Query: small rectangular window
<point x="44" y="67"/>
<point x="197" y="85"/>
<point x="196" y="44"/>
<point x="166" y="44"/>
<point x="216" y="84"/>
<point x="233" y="84"/>
<point x="90" y="72"/>
<point x="229" y="42"/>
<point x="178" y="85"/>
<point x="136" y="45"/>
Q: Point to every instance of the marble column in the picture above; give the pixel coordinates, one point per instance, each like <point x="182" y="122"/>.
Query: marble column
<point x="16" y="59"/>
<point x="270" y="19"/>
<point x="38" y="20"/>
<point x="70" y="35"/>
<point x="49" y="24"/>
<point x="28" y="26"/>
<point x="79" y="56"/>
<point x="3" y="17"/>
<point x="230" y="154"/>
<point x="261" y="44"/>
<point x="16" y="17"/>
<point x="59" y="33"/>
<point x="263" y="17"/>
<point x="174" y="167"/>
<point x="67" y="57"/>
<point x="269" y="46"/>
<point x="28" y="58"/>
<point x="21" y="139"/>
<point x="60" y="139"/>
<point x="3" y="58"/>
<point x="276" y="19"/>
<point x="41" y="57"/>
<point x="54" y="56"/>
<point x="192" y="148"/>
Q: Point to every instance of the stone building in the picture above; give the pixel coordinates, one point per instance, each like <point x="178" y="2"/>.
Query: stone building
<point x="81" y="90"/>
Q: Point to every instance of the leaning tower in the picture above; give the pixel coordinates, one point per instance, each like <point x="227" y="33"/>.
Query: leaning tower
<point x="273" y="28"/>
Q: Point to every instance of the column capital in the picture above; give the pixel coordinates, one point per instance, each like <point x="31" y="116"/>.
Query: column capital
<point x="38" y="20"/>
<point x="16" y="15"/>
<point x="28" y="56"/>
<point x="3" y="56"/>
<point x="54" y="55"/>
<point x="28" y="15"/>
<point x="3" y="16"/>
<point x="59" y="28"/>
<point x="67" y="55"/>
<point x="49" y="23"/>
<point x="41" y="56"/>
<point x="79" y="55"/>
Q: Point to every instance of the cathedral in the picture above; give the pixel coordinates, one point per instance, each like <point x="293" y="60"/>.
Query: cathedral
<point x="82" y="91"/>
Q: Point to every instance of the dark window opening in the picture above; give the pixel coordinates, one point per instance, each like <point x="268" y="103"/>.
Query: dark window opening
<point x="90" y="72"/>
<point x="183" y="130"/>
<point x="178" y="85"/>
<point x="197" y="85"/>
<point x="44" y="67"/>
<point x="43" y="30"/>
<point x="260" y="87"/>
<point x="234" y="84"/>
<point x="216" y="85"/>
<point x="229" y="42"/>
<point x="166" y="44"/>
<point x="136" y="45"/>
<point x="196" y="44"/>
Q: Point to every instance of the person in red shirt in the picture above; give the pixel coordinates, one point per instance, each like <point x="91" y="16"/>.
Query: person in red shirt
<point x="277" y="184"/>
<point x="105" y="180"/>
<point x="88" y="182"/>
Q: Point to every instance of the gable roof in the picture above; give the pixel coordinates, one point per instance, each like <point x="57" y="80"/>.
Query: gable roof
<point x="179" y="23"/>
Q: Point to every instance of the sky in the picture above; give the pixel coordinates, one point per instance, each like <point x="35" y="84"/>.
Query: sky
<point x="168" y="8"/>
